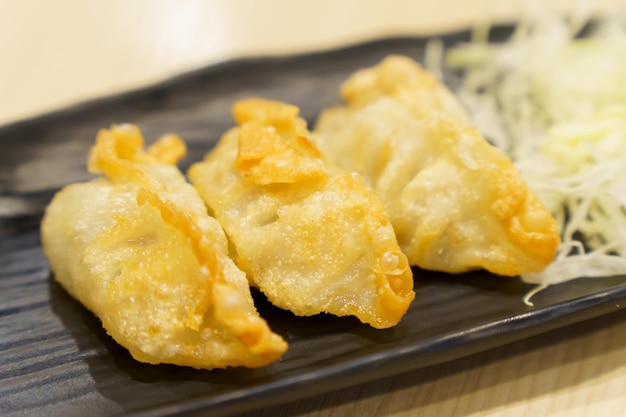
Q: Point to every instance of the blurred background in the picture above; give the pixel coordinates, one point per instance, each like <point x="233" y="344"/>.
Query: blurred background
<point x="55" y="53"/>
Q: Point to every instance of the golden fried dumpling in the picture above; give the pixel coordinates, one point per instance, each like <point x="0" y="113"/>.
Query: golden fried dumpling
<point x="312" y="237"/>
<point x="140" y="251"/>
<point x="456" y="202"/>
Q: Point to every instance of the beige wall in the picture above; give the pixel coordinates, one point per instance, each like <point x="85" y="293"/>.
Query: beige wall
<point x="58" y="52"/>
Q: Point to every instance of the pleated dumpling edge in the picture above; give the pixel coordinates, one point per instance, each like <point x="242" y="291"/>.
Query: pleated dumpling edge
<point x="138" y="249"/>
<point x="313" y="238"/>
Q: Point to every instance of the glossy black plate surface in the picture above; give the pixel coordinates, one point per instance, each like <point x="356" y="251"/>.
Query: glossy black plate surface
<point x="55" y="359"/>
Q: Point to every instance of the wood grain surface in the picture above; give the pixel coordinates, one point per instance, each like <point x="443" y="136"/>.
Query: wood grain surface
<point x="576" y="371"/>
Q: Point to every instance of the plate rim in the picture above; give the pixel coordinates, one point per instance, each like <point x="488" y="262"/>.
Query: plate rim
<point x="520" y="326"/>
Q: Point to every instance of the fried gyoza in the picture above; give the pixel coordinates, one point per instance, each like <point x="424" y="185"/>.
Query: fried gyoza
<point x="312" y="237"/>
<point x="456" y="203"/>
<point x="139" y="250"/>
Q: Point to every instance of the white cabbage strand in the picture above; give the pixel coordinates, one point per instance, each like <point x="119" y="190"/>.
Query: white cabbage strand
<point x="557" y="106"/>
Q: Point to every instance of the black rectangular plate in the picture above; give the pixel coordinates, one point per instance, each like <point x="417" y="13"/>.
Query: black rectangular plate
<point x="56" y="359"/>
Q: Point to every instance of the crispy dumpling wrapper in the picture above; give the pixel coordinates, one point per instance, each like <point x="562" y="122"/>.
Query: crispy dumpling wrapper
<point x="455" y="201"/>
<point x="138" y="249"/>
<point x="311" y="236"/>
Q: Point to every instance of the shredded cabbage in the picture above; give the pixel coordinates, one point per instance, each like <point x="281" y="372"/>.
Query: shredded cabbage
<point x="556" y="103"/>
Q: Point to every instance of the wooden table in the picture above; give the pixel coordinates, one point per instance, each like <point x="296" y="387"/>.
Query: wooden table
<point x="578" y="370"/>
<point x="62" y="52"/>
